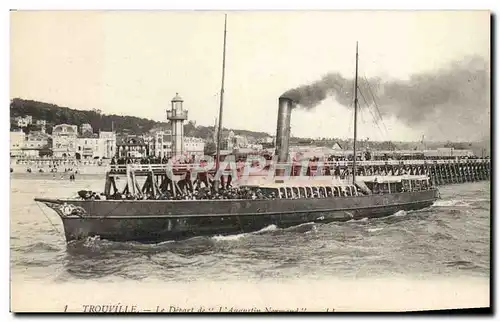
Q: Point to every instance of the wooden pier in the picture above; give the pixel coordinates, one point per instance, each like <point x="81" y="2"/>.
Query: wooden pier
<point x="153" y="179"/>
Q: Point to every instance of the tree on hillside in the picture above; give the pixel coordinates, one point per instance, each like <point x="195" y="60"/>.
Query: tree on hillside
<point x="210" y="148"/>
<point x="54" y="115"/>
<point x="190" y="129"/>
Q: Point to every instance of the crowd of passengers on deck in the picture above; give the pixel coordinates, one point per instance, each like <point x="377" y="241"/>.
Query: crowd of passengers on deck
<point x="255" y="193"/>
<point x="238" y="193"/>
<point x="198" y="194"/>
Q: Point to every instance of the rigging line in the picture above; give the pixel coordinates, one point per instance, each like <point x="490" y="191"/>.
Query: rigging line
<point x="50" y="221"/>
<point x="361" y="119"/>
<point x="363" y="122"/>
<point x="371" y="112"/>
<point x="378" y="114"/>
<point x="369" y="109"/>
<point x="378" y="119"/>
<point x="366" y="102"/>
<point x="374" y="101"/>
<point x="383" y="129"/>
<point x="368" y="106"/>
<point x="371" y="92"/>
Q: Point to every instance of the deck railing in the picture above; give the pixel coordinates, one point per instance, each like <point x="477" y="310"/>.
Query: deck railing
<point x="122" y="168"/>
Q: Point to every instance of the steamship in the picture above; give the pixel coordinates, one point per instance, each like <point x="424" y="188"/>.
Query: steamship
<point x="319" y="197"/>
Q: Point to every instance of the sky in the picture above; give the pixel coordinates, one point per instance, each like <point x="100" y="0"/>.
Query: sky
<point x="133" y="63"/>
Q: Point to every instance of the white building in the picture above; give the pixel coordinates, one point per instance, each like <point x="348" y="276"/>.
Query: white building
<point x="108" y="143"/>
<point x="41" y="123"/>
<point x="240" y="141"/>
<point x="255" y="147"/>
<point x="160" y="143"/>
<point x="227" y="141"/>
<point x="193" y="145"/>
<point x="163" y="143"/>
<point x="35" y="142"/>
<point x="16" y="143"/>
<point x="149" y="140"/>
<point x="131" y="146"/>
<point x="267" y="139"/>
<point x="87" y="146"/>
<point x="96" y="146"/>
<point x="86" y="128"/>
<point x="24" y="121"/>
<point x="64" y="140"/>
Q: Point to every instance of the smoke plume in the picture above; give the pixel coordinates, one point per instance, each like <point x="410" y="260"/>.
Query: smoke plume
<point x="311" y="95"/>
<point x="452" y="102"/>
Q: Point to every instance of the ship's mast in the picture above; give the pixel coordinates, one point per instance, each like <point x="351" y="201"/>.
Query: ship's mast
<point x="355" y="117"/>
<point x="219" y="131"/>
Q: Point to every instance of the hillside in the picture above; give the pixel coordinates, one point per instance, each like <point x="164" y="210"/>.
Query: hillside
<point x="55" y="114"/>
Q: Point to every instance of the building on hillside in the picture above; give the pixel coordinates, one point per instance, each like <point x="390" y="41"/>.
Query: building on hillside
<point x="17" y="139"/>
<point x="87" y="146"/>
<point x="23" y="122"/>
<point x="42" y="124"/>
<point x="255" y="147"/>
<point x="250" y="139"/>
<point x="96" y="146"/>
<point x="267" y="139"/>
<point x="149" y="140"/>
<point x="161" y="144"/>
<point x="227" y="140"/>
<point x="267" y="142"/>
<point x="240" y="141"/>
<point x="86" y="128"/>
<point x="230" y="141"/>
<point x="108" y="142"/>
<point x="131" y="146"/>
<point x="37" y="139"/>
<point x="193" y="146"/>
<point x="64" y="140"/>
<point x="37" y="144"/>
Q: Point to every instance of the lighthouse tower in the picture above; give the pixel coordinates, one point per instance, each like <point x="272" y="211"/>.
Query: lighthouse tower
<point x="177" y="115"/>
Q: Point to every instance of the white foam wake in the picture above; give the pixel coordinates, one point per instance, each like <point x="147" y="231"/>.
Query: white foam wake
<point x="266" y="229"/>
<point x="242" y="235"/>
<point x="229" y="237"/>
<point x="400" y="213"/>
<point x="451" y="203"/>
<point x="372" y="230"/>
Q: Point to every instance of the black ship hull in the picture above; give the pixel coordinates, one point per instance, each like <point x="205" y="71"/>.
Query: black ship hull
<point x="157" y="220"/>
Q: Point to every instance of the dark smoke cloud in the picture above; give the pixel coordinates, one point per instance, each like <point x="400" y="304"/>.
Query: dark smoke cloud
<point x="333" y="84"/>
<point x="447" y="103"/>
